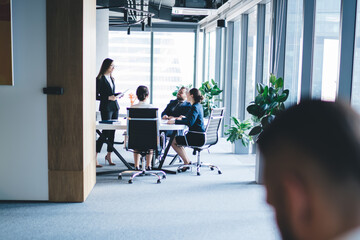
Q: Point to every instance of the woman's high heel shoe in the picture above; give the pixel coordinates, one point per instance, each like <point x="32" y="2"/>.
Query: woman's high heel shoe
<point x="109" y="161"/>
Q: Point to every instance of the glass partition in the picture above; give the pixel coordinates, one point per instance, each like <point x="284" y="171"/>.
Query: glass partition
<point x="235" y="83"/>
<point x="251" y="60"/>
<point x="131" y="55"/>
<point x="173" y="64"/>
<point x="326" y="50"/>
<point x="293" y="49"/>
<point x="355" y="93"/>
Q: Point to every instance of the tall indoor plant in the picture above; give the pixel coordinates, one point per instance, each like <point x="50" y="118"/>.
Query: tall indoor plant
<point x="209" y="90"/>
<point x="268" y="103"/>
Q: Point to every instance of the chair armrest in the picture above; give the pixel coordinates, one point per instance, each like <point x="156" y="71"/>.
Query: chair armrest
<point x="196" y="132"/>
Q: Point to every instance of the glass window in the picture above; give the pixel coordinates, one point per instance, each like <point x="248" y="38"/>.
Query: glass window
<point x="355" y="94"/>
<point x="210" y="56"/>
<point x="266" y="70"/>
<point x="131" y="55"/>
<point x="293" y="49"/>
<point x="251" y="60"/>
<point x="200" y="55"/>
<point x="235" y="83"/>
<point x="326" y="49"/>
<point x="173" y="64"/>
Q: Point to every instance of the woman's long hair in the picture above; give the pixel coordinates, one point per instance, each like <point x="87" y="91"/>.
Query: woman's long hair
<point x="104" y="67"/>
<point x="196" y="95"/>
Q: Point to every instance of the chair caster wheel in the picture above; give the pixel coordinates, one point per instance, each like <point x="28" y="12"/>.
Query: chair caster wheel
<point x="130" y="181"/>
<point x="219" y="172"/>
<point x="212" y="169"/>
<point x="119" y="177"/>
<point x="164" y="176"/>
<point x="179" y="171"/>
<point x="158" y="181"/>
<point x="198" y="173"/>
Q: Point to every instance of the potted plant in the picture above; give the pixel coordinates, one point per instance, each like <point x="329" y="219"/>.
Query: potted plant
<point x="268" y="103"/>
<point x="209" y="90"/>
<point x="237" y="135"/>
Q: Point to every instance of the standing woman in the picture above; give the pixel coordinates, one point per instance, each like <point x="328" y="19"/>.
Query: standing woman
<point x="194" y="119"/>
<point x="109" y="108"/>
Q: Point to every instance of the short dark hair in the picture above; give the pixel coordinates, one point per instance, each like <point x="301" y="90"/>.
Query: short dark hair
<point x="142" y="92"/>
<point x="196" y="95"/>
<point x="327" y="131"/>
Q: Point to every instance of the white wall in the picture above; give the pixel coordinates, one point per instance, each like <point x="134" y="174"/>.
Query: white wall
<point x="102" y="37"/>
<point x="23" y="114"/>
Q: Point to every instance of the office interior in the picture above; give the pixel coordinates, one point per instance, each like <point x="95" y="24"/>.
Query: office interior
<point x="48" y="141"/>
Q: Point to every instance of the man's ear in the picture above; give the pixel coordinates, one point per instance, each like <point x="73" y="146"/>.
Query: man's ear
<point x="298" y="204"/>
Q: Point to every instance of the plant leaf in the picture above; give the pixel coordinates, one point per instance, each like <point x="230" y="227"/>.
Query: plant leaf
<point x="272" y="79"/>
<point x="255" y="130"/>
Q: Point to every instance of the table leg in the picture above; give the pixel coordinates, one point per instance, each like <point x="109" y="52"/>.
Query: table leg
<point x="118" y="154"/>
<point x="165" y="154"/>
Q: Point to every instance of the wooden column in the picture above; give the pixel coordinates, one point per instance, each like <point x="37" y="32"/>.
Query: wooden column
<point x="71" y="43"/>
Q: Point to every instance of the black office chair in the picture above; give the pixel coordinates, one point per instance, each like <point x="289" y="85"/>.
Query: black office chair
<point x="210" y="138"/>
<point x="142" y="138"/>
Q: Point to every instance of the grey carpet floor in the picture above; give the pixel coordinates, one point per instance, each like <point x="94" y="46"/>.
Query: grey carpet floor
<point x="183" y="206"/>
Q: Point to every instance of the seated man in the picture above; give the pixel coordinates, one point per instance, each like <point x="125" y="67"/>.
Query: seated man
<point x="178" y="107"/>
<point x="312" y="171"/>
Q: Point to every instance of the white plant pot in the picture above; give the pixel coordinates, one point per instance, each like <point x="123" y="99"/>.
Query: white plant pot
<point x="259" y="167"/>
<point x="239" y="148"/>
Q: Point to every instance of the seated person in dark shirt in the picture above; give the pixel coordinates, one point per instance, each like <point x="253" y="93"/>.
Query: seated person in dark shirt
<point x="178" y="107"/>
<point x="194" y="119"/>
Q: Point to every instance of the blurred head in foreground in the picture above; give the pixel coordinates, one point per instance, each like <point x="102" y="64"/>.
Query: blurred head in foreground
<point x="312" y="170"/>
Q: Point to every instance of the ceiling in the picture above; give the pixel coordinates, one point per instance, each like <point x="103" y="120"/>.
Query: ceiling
<point x="132" y="12"/>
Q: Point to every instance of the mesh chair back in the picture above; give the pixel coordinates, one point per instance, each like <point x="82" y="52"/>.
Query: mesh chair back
<point x="213" y="125"/>
<point x="142" y="129"/>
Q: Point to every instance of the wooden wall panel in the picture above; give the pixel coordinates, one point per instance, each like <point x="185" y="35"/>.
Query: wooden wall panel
<point x="71" y="26"/>
<point x="6" y="73"/>
<point x="66" y="186"/>
<point x="89" y="92"/>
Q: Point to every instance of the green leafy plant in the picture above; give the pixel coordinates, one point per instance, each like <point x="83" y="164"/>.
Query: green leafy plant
<point x="209" y="90"/>
<point x="178" y="88"/>
<point x="268" y="104"/>
<point x="238" y="131"/>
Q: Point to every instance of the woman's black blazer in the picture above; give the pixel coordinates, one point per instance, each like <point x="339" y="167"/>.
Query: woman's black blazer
<point x="103" y="91"/>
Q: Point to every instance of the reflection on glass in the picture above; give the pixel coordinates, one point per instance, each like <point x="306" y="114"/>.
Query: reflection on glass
<point x="235" y="83"/>
<point x="200" y="62"/>
<point x="293" y="49"/>
<point x="355" y="94"/>
<point x="131" y="55"/>
<point x="251" y="60"/>
<point x="266" y="70"/>
<point x="173" y="64"/>
<point x="210" y="56"/>
<point x="326" y="49"/>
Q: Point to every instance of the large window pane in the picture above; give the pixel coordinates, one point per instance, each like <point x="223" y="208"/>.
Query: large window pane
<point x="355" y="95"/>
<point x="200" y="58"/>
<point x="326" y="49"/>
<point x="266" y="70"/>
<point x="293" y="48"/>
<point x="210" y="56"/>
<point x="173" y="64"/>
<point x="235" y="88"/>
<point x="251" y="60"/>
<point x="131" y="54"/>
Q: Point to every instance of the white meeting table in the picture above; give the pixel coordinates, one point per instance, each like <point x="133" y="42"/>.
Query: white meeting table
<point x="120" y="124"/>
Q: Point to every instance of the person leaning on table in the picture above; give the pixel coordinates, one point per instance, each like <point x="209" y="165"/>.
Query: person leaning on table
<point x="194" y="119"/>
<point x="311" y="156"/>
<point x="142" y="93"/>
<point x="109" y="108"/>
